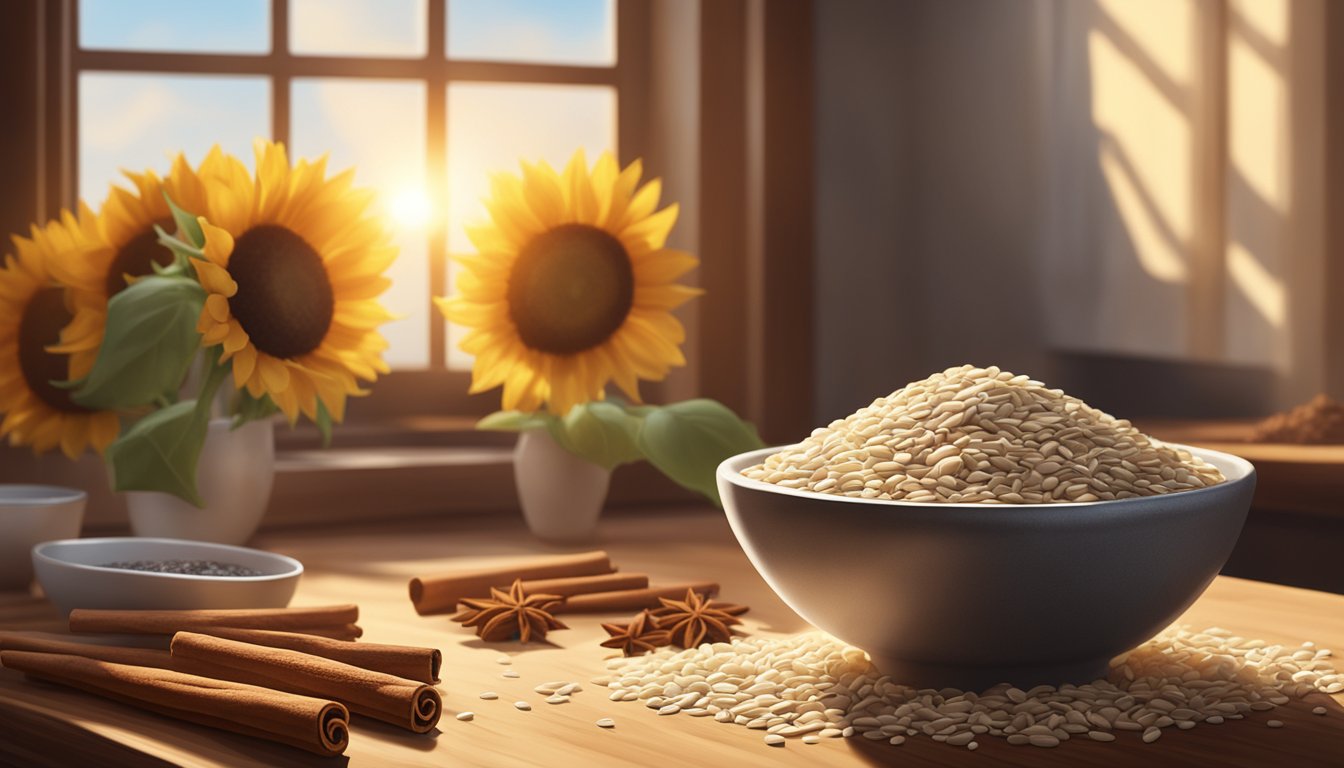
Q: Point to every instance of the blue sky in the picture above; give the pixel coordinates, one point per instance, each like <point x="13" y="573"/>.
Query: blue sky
<point x="562" y="31"/>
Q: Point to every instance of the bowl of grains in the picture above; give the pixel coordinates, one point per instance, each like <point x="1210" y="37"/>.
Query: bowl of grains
<point x="131" y="573"/>
<point x="977" y="527"/>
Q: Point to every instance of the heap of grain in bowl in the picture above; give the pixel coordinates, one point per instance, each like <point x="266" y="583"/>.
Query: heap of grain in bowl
<point x="984" y="435"/>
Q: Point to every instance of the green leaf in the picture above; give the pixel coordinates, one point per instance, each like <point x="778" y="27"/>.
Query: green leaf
<point x="161" y="451"/>
<point x="687" y="441"/>
<point x="186" y="223"/>
<point x="602" y="433"/>
<point x="148" y="346"/>
<point x="172" y="269"/>
<point x="184" y="252"/>
<point x="248" y="408"/>
<point x="514" y="421"/>
<point x="323" y="422"/>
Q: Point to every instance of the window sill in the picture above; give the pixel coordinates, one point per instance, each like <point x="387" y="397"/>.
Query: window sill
<point x="412" y="468"/>
<point x="401" y="481"/>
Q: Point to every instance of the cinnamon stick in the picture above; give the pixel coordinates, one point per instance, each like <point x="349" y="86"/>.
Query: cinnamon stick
<point x="632" y="599"/>
<point x="346" y="632"/>
<point x="406" y="703"/>
<point x="582" y="585"/>
<point x="118" y="654"/>
<point x="405" y="661"/>
<point x="441" y="593"/>
<point x="309" y="723"/>
<point x="333" y="620"/>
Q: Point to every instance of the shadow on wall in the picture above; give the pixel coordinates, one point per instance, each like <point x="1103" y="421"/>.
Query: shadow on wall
<point x="1119" y="235"/>
<point x="1142" y="262"/>
<point x="1003" y="187"/>
<point x="1148" y="388"/>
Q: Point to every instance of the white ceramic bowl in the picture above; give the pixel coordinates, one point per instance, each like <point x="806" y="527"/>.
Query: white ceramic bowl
<point x="30" y="514"/>
<point x="72" y="575"/>
<point x="970" y="595"/>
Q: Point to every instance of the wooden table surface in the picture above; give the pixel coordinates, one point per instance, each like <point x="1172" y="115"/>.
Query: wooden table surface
<point x="371" y="564"/>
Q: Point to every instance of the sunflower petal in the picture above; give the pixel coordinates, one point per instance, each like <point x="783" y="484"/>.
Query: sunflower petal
<point x="218" y="242"/>
<point x="215" y="279"/>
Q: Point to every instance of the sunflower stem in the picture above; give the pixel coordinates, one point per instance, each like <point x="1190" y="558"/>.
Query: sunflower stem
<point x="215" y="373"/>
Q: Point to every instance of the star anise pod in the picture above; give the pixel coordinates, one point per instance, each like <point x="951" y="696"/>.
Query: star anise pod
<point x="641" y="635"/>
<point x="511" y="615"/>
<point x="697" y="619"/>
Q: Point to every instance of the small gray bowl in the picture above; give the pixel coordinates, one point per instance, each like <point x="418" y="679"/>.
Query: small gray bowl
<point x="970" y="595"/>
<point x="73" y="574"/>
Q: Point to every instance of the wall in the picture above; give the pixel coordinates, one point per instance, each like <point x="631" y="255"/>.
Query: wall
<point x="1008" y="181"/>
<point x="928" y="192"/>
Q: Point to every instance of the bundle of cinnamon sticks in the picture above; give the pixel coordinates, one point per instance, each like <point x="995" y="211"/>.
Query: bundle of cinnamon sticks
<point x="278" y="674"/>
<point x="589" y="582"/>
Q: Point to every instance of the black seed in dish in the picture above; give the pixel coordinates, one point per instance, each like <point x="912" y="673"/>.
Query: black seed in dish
<point x="188" y="567"/>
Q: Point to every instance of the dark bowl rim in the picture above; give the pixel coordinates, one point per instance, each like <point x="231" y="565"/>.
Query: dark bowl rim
<point x="730" y="471"/>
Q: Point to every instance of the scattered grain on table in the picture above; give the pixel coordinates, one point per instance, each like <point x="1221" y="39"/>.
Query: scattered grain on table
<point x="814" y="687"/>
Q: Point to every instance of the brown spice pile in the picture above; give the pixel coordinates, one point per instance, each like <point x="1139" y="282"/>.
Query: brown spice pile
<point x="1318" y="422"/>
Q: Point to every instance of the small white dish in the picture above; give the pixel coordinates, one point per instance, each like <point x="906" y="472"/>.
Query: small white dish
<point x="30" y="514"/>
<point x="73" y="575"/>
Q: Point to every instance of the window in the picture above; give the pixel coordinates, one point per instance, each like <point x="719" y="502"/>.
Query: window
<point x="690" y="87"/>
<point x="424" y="97"/>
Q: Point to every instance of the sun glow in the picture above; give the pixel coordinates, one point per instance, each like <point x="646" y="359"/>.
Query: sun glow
<point x="410" y="207"/>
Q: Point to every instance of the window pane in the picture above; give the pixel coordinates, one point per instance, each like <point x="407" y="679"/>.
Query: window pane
<point x="549" y="31"/>
<point x="358" y="27"/>
<point x="492" y="127"/>
<point x="137" y="121"/>
<point x="378" y="127"/>
<point x="215" y="26"/>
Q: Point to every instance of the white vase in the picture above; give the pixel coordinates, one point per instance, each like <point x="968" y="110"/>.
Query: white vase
<point x="234" y="477"/>
<point x="561" y="494"/>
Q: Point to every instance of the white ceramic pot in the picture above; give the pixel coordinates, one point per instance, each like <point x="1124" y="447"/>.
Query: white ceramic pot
<point x="32" y="514"/>
<point x="561" y="494"/>
<point x="234" y="478"/>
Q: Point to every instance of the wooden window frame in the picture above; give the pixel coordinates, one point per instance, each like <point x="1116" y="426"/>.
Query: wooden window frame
<point x="434" y="391"/>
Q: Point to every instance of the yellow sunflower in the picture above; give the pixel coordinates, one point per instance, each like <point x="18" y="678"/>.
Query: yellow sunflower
<point x="33" y="310"/>
<point x="293" y="268"/>
<point x="118" y="243"/>
<point x="571" y="287"/>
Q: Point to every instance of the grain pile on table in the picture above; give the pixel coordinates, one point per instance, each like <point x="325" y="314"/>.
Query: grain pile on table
<point x="1319" y="421"/>
<point x="812" y="686"/>
<point x="983" y="435"/>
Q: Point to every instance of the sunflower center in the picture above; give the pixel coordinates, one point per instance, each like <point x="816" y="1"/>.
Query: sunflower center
<point x="41" y="325"/>
<point x="284" y="298"/>
<point x="570" y="289"/>
<point x="136" y="258"/>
